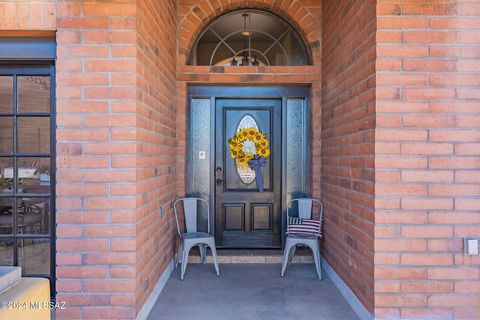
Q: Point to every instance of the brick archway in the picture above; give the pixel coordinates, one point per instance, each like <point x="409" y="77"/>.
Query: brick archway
<point x="194" y="20"/>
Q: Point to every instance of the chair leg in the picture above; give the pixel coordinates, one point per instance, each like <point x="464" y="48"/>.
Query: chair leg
<point x="214" y="255"/>
<point x="203" y="253"/>
<point x="186" y="250"/>
<point x="286" y="255"/>
<point x="179" y="254"/>
<point x="291" y="255"/>
<point x="316" y="257"/>
<point x="319" y="265"/>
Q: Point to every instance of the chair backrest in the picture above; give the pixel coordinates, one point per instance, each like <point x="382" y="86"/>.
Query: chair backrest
<point x="305" y="206"/>
<point x="190" y="209"/>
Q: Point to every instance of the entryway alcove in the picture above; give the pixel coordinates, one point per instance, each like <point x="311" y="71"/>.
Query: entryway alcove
<point x="243" y="216"/>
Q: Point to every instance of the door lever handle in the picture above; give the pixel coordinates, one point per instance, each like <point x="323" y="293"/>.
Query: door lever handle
<point x="219" y="175"/>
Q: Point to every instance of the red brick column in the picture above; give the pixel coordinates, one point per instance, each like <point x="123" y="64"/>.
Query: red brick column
<point x="348" y="127"/>
<point x="156" y="112"/>
<point x="427" y="159"/>
<point x="97" y="168"/>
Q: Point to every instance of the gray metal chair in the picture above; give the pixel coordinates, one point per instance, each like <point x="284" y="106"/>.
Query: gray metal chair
<point x="191" y="237"/>
<point x="305" y="206"/>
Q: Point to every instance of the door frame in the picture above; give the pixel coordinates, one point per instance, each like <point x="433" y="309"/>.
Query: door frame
<point x="213" y="92"/>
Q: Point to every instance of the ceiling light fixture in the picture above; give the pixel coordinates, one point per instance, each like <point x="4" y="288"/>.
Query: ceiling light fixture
<point x="245" y="32"/>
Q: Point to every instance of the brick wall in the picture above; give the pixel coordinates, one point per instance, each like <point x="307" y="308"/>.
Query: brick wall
<point x="96" y="149"/>
<point x="121" y="142"/>
<point x="116" y="154"/>
<point x="427" y="159"/>
<point x="27" y="15"/>
<point x="156" y="141"/>
<point x="347" y="154"/>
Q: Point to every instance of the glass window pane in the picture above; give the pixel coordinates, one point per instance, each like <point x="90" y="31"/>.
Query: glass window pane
<point x="293" y="43"/>
<point x="222" y="56"/>
<point x="6" y="135"/>
<point x="33" y="175"/>
<point x="267" y="23"/>
<point x="6" y="216"/>
<point x="6" y="175"/>
<point x="33" y="215"/>
<point x="237" y="41"/>
<point x="276" y="56"/>
<point x="33" y="134"/>
<point x="6" y="94"/>
<point x="297" y="172"/>
<point x="205" y="49"/>
<point x="6" y="252"/>
<point x="261" y="41"/>
<point x="33" y="94"/>
<point x="34" y="255"/>
<point x="253" y="31"/>
<point x="199" y="140"/>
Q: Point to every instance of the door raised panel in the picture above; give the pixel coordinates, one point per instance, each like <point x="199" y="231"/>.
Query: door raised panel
<point x="234" y="216"/>
<point x="261" y="217"/>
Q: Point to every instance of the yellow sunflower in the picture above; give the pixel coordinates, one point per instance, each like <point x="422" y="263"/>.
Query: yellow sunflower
<point x="264" y="152"/>
<point x="262" y="142"/>
<point x="252" y="132"/>
<point x="243" y="135"/>
<point x="258" y="137"/>
<point x="233" y="153"/>
<point x="243" y="159"/>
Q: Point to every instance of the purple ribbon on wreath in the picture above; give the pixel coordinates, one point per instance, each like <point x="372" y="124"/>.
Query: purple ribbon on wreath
<point x="256" y="165"/>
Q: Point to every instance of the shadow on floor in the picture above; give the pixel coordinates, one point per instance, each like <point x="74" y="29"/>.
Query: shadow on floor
<point x="250" y="291"/>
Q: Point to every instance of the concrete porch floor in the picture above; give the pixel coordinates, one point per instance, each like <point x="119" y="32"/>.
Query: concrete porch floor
<point x="250" y="291"/>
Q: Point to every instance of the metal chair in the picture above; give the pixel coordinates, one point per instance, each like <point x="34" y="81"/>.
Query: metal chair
<point x="191" y="237"/>
<point x="305" y="206"/>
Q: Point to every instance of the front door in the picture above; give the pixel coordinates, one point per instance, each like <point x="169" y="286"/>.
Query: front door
<point x="244" y="216"/>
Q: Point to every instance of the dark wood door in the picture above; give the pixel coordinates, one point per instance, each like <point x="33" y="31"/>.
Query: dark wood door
<point x="245" y="217"/>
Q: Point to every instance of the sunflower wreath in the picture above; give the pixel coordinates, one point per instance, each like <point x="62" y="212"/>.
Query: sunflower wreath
<point x="248" y="143"/>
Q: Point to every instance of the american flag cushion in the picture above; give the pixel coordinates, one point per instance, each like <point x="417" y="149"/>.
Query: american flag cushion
<point x="303" y="226"/>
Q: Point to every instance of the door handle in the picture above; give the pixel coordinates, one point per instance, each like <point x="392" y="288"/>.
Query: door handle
<point x="219" y="175"/>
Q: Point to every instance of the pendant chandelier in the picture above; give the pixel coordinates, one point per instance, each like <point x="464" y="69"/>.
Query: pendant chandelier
<point x="246" y="58"/>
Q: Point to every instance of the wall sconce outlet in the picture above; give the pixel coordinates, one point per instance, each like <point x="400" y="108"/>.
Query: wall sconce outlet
<point x="471" y="246"/>
<point x="162" y="214"/>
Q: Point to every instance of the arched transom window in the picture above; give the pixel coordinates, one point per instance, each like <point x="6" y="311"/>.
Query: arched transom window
<point x="249" y="38"/>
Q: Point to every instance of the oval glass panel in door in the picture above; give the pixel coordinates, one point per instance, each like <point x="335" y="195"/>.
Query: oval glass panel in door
<point x="246" y="174"/>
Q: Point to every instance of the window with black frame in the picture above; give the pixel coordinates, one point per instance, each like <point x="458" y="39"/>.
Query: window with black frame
<point x="27" y="167"/>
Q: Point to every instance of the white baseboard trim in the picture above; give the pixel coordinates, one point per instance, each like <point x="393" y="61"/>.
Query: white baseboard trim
<point x="348" y="294"/>
<point x="152" y="298"/>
